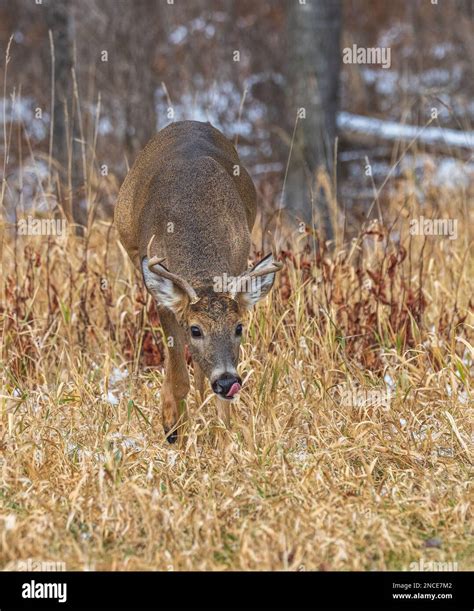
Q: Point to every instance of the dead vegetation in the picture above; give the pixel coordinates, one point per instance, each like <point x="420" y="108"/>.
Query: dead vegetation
<point x="305" y="479"/>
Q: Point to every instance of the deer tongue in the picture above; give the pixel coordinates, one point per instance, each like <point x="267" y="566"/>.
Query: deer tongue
<point x="234" y="389"/>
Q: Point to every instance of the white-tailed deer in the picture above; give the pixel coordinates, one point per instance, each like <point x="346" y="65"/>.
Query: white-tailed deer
<point x="184" y="214"/>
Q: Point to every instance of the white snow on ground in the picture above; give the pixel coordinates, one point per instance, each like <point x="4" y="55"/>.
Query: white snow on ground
<point x="388" y="82"/>
<point x="385" y="82"/>
<point x="111" y="398"/>
<point x="390" y="130"/>
<point x="22" y="110"/>
<point x="431" y="170"/>
<point x="391" y="35"/>
<point x="117" y="375"/>
<point x="446" y="172"/>
<point x="389" y="382"/>
<point x="451" y="173"/>
<point x="10" y="521"/>
<point x="220" y="106"/>
<point x="127" y="443"/>
<point x="443" y="49"/>
<point x="179" y="34"/>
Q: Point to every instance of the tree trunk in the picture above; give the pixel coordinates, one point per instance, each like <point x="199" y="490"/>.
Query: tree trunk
<point x="67" y="156"/>
<point x="57" y="17"/>
<point x="314" y="29"/>
<point x="137" y="47"/>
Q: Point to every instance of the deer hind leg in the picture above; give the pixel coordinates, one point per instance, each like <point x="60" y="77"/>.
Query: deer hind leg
<point x="176" y="384"/>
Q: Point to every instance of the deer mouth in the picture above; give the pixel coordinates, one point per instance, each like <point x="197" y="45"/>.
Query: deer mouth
<point x="227" y="386"/>
<point x="233" y="390"/>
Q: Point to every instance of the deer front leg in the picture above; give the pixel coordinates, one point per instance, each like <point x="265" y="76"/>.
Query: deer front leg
<point x="176" y="384"/>
<point x="199" y="381"/>
<point x="223" y="410"/>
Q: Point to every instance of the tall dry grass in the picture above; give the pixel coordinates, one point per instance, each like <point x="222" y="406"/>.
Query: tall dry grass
<point x="350" y="447"/>
<point x="305" y="479"/>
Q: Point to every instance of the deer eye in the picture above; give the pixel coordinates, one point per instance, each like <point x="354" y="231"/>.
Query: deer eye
<point x="196" y="331"/>
<point x="239" y="329"/>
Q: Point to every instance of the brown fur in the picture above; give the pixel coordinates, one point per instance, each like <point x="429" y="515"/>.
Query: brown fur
<point x="185" y="176"/>
<point x="184" y="180"/>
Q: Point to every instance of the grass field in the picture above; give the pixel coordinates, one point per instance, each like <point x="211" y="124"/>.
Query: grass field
<point x="350" y="447"/>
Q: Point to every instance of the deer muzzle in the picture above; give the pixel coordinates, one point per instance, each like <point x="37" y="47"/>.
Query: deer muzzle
<point x="227" y="386"/>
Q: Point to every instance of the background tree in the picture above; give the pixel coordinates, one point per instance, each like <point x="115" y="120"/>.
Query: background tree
<point x="314" y="29"/>
<point x="132" y="35"/>
<point x="59" y="20"/>
<point x="289" y="58"/>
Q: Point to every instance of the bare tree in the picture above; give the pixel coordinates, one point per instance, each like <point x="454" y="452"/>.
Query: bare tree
<point x="133" y="32"/>
<point x="314" y="28"/>
<point x="58" y="19"/>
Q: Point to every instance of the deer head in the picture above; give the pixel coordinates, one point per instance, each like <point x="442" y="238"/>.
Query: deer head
<point x="213" y="321"/>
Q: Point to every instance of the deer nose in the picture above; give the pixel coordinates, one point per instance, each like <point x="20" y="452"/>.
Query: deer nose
<point x="227" y="385"/>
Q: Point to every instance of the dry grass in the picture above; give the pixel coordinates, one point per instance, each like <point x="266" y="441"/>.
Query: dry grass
<point x="304" y="480"/>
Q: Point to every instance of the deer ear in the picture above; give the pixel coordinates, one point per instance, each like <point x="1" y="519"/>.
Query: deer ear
<point x="166" y="292"/>
<point x="257" y="287"/>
